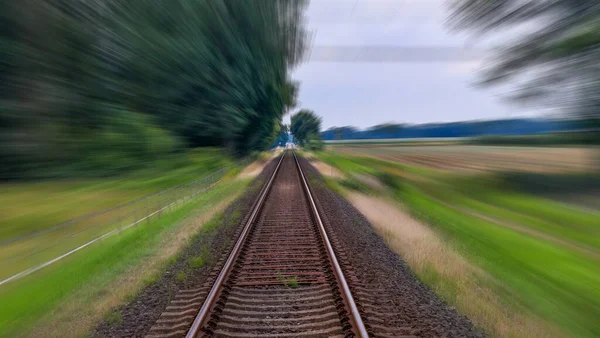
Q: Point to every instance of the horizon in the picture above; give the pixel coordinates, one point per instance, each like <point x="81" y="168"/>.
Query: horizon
<point x="546" y="118"/>
<point x="390" y="61"/>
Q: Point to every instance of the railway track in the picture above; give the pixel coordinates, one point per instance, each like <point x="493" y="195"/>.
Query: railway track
<point x="281" y="279"/>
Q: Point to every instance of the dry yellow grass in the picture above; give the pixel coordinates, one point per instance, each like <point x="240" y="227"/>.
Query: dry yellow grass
<point x="423" y="249"/>
<point x="86" y="309"/>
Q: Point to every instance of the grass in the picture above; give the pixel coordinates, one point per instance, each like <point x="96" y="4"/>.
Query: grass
<point x="114" y="317"/>
<point x="201" y="260"/>
<point x="197" y="262"/>
<point x="149" y="280"/>
<point x="83" y="278"/>
<point x="34" y="207"/>
<point x="551" y="269"/>
<point x="289" y="282"/>
<point x="181" y="276"/>
<point x="488" y="195"/>
<point x="551" y="280"/>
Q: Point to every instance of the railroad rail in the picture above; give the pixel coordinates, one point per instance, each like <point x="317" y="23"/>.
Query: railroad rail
<point x="281" y="279"/>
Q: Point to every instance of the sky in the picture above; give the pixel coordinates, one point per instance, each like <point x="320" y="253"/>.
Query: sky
<point x="423" y="73"/>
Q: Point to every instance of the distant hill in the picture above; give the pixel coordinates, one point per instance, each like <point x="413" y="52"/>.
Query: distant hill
<point x="453" y="129"/>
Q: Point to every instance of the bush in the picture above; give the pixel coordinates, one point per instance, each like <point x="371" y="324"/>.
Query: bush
<point x="389" y="180"/>
<point x="314" y="142"/>
<point x="128" y="141"/>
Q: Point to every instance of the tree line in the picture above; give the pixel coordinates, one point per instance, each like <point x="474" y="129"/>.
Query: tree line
<point x="306" y="128"/>
<point x="499" y="127"/>
<point x="107" y="84"/>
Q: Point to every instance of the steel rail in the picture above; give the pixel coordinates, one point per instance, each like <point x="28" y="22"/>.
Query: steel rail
<point x="204" y="314"/>
<point x="215" y="291"/>
<point x="354" y="313"/>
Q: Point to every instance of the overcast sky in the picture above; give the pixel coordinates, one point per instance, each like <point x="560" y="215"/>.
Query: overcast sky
<point x="360" y="86"/>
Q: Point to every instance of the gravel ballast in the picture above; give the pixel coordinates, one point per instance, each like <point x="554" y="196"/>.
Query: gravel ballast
<point x="387" y="280"/>
<point x="137" y="317"/>
<point x="391" y="299"/>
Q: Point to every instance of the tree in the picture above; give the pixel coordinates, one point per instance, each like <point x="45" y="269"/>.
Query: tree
<point x="306" y="125"/>
<point x="557" y="61"/>
<point x="386" y="130"/>
<point x="208" y="73"/>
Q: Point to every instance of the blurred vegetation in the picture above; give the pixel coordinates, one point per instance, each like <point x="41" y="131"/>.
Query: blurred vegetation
<point x="25" y="303"/>
<point x="555" y="59"/>
<point x="96" y="87"/>
<point x="542" y="255"/>
<point x="306" y="128"/>
<point x="32" y="206"/>
<point x="314" y="142"/>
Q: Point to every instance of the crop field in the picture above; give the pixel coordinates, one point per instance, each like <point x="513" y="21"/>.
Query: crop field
<point x="541" y="251"/>
<point x="475" y="158"/>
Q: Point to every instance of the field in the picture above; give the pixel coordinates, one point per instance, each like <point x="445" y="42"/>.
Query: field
<point x="497" y="207"/>
<point x="472" y="158"/>
<point x="400" y="141"/>
<point x="81" y="287"/>
<point x="558" y="173"/>
<point x="42" y="220"/>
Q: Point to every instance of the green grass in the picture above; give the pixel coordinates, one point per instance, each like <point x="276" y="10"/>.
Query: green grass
<point x="289" y="282"/>
<point x="551" y="280"/>
<point x="201" y="260"/>
<point x="32" y="206"/>
<point x="85" y="273"/>
<point x="114" y="318"/>
<point x="181" y="276"/>
<point x="482" y="195"/>
<point x="548" y="277"/>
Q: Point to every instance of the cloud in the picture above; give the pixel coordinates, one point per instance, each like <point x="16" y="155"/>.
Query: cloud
<point x="380" y="61"/>
<point x="462" y="68"/>
<point x="390" y="54"/>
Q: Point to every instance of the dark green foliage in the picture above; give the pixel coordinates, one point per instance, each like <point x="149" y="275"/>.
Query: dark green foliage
<point x="314" y="142"/>
<point x="195" y="72"/>
<point x="387" y="128"/>
<point x="306" y="128"/>
<point x="390" y="180"/>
